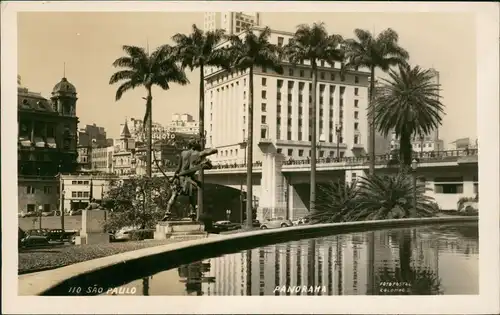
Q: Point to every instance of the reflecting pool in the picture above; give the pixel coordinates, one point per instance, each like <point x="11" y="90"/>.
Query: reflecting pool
<point x="418" y="261"/>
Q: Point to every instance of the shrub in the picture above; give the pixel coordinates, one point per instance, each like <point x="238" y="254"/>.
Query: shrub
<point x="391" y="197"/>
<point x="373" y="197"/>
<point x="139" y="235"/>
<point x="336" y="202"/>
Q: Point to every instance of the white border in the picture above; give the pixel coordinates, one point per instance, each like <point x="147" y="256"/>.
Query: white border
<point x="487" y="19"/>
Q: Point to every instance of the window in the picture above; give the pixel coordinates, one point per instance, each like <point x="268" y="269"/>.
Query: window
<point x="300" y="136"/>
<point x="264" y="95"/>
<point x="341" y="154"/>
<point x="244" y="82"/>
<point x="263" y="133"/>
<point x="85" y="182"/>
<point x="301" y="73"/>
<point x="356" y="139"/>
<point x="356" y="79"/>
<point x="73" y="194"/>
<point x="301" y="152"/>
<point x="73" y="182"/>
<point x="245" y="95"/>
<point x="332" y="76"/>
<point x="290" y="72"/>
<point x="30" y="190"/>
<point x="279" y="150"/>
<point x="450" y="185"/>
<point x="290" y="152"/>
<point x="278" y="96"/>
<point x="264" y="81"/>
<point x="80" y="194"/>
<point x="47" y="190"/>
<point x="80" y="182"/>
<point x="263" y="107"/>
<point x="356" y="115"/>
<point x="356" y="125"/>
<point x="322" y="63"/>
<point x="289" y="135"/>
<point x="356" y="103"/>
<point x="86" y="194"/>
<point x="289" y="97"/>
<point x="278" y="121"/>
<point x="278" y="109"/>
<point x="322" y="75"/>
<point x="280" y="82"/>
<point x="356" y="91"/>
<point x="321" y="153"/>
<point x="263" y="119"/>
<point x="280" y="41"/>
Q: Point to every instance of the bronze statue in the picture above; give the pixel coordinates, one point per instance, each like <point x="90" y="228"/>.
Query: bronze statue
<point x="184" y="181"/>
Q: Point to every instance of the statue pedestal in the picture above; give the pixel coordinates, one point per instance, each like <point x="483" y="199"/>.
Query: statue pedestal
<point x="93" y="227"/>
<point x="172" y="229"/>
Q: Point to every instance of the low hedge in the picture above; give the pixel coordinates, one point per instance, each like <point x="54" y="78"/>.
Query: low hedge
<point x="139" y="235"/>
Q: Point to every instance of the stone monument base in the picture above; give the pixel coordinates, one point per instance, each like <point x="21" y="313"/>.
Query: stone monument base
<point x="173" y="229"/>
<point x="92" y="238"/>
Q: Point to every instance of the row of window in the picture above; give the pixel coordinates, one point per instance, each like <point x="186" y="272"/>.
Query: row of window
<point x="30" y="190"/>
<point x="80" y="194"/>
<point x="300" y="153"/>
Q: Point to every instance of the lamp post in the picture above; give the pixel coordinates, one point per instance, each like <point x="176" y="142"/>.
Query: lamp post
<point x="40" y="210"/>
<point x="338" y="130"/>
<point x="255" y="203"/>
<point x="228" y="214"/>
<point x="243" y="145"/>
<point x="414" y="166"/>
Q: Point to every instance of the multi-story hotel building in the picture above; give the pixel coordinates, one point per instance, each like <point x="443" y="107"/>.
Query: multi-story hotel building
<point x="231" y="22"/>
<point x="47" y="144"/>
<point x="282" y="109"/>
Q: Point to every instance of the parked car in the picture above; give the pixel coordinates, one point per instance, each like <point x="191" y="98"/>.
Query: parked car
<point x="24" y="214"/>
<point x="273" y="223"/>
<point x="256" y="223"/>
<point x="301" y="221"/>
<point x="124" y="233"/>
<point x="75" y="212"/>
<point x="226" y="225"/>
<point x="34" y="240"/>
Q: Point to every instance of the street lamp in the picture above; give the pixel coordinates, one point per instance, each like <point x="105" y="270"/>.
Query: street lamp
<point x="338" y="130"/>
<point x="228" y="214"/>
<point x="40" y="210"/>
<point x="414" y="166"/>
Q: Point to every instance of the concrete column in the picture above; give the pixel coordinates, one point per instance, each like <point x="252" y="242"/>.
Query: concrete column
<point x="272" y="201"/>
<point x="468" y="185"/>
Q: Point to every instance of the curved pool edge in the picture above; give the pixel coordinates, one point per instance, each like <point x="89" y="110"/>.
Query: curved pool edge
<point x="53" y="281"/>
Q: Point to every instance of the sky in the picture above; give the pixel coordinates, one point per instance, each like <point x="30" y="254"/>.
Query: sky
<point x="84" y="46"/>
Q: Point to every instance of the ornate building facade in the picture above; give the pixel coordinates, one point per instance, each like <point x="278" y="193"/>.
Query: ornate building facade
<point x="47" y="144"/>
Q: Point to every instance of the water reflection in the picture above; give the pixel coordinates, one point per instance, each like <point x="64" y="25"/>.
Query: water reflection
<point x="398" y="262"/>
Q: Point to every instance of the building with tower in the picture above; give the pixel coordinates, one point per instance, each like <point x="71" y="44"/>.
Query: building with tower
<point x="124" y="153"/>
<point x="231" y="22"/>
<point x="47" y="144"/>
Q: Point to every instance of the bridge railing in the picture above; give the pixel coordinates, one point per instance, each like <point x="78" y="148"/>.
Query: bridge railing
<point x="434" y="156"/>
<point x="422" y="157"/>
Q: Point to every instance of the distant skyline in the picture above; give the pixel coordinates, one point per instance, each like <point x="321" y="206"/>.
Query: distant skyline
<point x="84" y="45"/>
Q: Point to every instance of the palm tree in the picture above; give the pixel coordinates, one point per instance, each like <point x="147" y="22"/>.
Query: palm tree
<point x="251" y="51"/>
<point x="373" y="52"/>
<point x="313" y="43"/>
<point x="142" y="69"/>
<point x="337" y="202"/>
<point x="198" y="50"/>
<point x="390" y="197"/>
<point x="409" y="104"/>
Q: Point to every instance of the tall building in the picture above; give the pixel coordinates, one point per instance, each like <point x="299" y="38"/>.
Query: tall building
<point x="123" y="157"/>
<point x="182" y="123"/>
<point x="47" y="144"/>
<point x="92" y="135"/>
<point x="282" y="109"/>
<point x="231" y="22"/>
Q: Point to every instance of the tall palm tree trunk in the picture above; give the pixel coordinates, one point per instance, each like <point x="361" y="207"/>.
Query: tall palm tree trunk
<point x="249" y="202"/>
<point x="312" y="199"/>
<point x="149" y="109"/>
<point x="202" y="137"/>
<point x="371" y="145"/>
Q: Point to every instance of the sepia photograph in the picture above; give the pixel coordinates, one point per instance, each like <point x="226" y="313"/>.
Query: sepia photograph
<point x="195" y="151"/>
